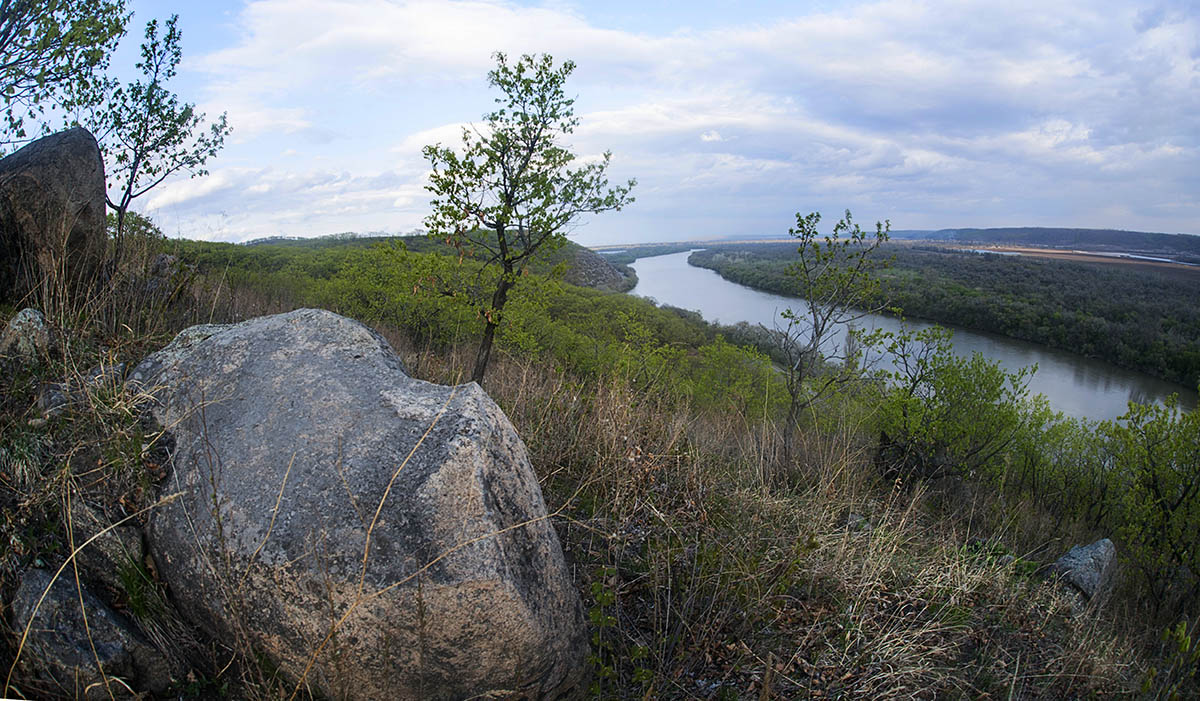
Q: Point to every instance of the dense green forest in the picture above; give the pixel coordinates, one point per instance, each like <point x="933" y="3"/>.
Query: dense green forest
<point x="420" y="286"/>
<point x="1136" y="319"/>
<point x="319" y="256"/>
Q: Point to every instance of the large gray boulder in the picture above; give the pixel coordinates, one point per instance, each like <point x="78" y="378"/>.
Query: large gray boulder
<point x="1090" y="569"/>
<point x="69" y="651"/>
<point x="337" y="511"/>
<point x="52" y="211"/>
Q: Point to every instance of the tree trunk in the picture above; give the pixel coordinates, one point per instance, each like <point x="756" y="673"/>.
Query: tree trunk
<point x="489" y="329"/>
<point x="485" y="351"/>
<point x="119" y="238"/>
<point x="789" y="432"/>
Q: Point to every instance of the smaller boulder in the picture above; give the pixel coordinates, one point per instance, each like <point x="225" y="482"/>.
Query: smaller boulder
<point x="60" y="650"/>
<point x="52" y="209"/>
<point x="1090" y="569"/>
<point x="55" y="398"/>
<point x="104" y="377"/>
<point x="27" y="336"/>
<point x="52" y="399"/>
<point x="856" y="523"/>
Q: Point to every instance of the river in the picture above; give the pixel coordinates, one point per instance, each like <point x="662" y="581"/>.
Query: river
<point x="1077" y="386"/>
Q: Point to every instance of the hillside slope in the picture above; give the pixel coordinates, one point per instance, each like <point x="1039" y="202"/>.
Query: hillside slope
<point x="582" y="266"/>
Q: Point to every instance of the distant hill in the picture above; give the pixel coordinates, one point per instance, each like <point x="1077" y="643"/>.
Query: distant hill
<point x="1090" y="239"/>
<point x="341" y="239"/>
<point x="584" y="267"/>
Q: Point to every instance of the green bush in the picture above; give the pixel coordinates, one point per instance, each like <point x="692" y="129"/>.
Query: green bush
<point x="1156" y="456"/>
<point x="947" y="415"/>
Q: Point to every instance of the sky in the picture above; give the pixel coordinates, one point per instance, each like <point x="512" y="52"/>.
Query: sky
<point x="732" y="116"/>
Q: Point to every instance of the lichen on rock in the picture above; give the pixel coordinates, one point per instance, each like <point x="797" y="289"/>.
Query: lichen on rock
<point x="336" y="511"/>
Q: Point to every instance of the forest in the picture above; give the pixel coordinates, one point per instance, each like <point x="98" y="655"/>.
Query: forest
<point x="1136" y="319"/>
<point x="632" y="253"/>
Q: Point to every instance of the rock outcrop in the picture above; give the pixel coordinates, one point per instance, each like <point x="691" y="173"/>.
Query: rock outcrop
<point x="52" y="209"/>
<point x="590" y="269"/>
<point x="69" y="652"/>
<point x="1090" y="569"/>
<point x="337" y="512"/>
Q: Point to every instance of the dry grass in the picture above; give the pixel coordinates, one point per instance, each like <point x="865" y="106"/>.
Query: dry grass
<point x="92" y="452"/>
<point x="713" y="572"/>
<point x="710" y="569"/>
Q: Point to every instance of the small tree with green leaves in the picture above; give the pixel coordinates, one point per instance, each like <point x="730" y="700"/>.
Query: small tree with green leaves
<point x="146" y="134"/>
<point x="513" y="189"/>
<point x="835" y="274"/>
<point x="50" y="54"/>
<point x="1156" y="451"/>
<point x="947" y="415"/>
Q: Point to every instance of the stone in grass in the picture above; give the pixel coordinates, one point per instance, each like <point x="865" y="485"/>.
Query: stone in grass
<point x="1090" y="569"/>
<point x="113" y="552"/>
<point x="69" y="653"/>
<point x="856" y="523"/>
<point x="27" y="336"/>
<point x="55" y="398"/>
<point x="306" y="434"/>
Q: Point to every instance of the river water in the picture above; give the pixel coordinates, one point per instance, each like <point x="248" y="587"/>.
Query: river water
<point x="1077" y="386"/>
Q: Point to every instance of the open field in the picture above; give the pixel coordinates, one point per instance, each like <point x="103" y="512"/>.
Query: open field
<point x="1097" y="258"/>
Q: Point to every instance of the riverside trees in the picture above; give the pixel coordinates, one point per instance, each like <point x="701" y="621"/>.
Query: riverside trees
<point x="513" y="188"/>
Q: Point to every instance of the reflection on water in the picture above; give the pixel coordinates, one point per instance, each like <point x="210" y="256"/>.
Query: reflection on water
<point x="1139" y="396"/>
<point x="1074" y="385"/>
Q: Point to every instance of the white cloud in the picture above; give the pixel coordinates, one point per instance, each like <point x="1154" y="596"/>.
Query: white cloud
<point x="911" y="106"/>
<point x="251" y="121"/>
<point x="181" y="191"/>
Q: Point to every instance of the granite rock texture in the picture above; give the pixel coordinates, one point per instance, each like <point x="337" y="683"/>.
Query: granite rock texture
<point x="334" y="511"/>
